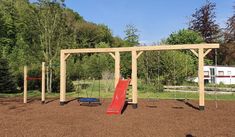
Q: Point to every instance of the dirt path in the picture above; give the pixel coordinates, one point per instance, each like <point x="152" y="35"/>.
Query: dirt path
<point x="164" y="118"/>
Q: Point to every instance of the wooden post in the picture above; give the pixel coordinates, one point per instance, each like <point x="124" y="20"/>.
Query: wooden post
<point x="201" y="78"/>
<point x="134" y="78"/>
<point x="25" y="84"/>
<point x="43" y="82"/>
<point x="62" y="78"/>
<point x="117" y="68"/>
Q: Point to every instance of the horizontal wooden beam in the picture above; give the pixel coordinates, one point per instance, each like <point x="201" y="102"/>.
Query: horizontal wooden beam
<point x="141" y="48"/>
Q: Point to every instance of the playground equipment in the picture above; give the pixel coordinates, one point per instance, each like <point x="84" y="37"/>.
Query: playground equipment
<point x="197" y="49"/>
<point x="119" y="97"/>
<point x="88" y="100"/>
<point x="26" y="78"/>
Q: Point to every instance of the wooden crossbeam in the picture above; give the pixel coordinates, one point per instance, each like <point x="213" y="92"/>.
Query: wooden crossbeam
<point x="141" y="48"/>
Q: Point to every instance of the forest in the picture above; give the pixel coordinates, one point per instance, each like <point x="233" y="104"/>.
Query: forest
<point x="32" y="33"/>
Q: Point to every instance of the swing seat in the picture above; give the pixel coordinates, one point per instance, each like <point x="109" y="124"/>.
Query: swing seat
<point x="89" y="100"/>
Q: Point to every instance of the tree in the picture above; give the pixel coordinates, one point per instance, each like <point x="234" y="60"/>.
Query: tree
<point x="204" y="21"/>
<point x="229" y="34"/>
<point x="90" y="34"/>
<point x="184" y="37"/>
<point x="7" y="83"/>
<point x="227" y="50"/>
<point x="8" y="23"/>
<point x="132" y="38"/>
<point x="171" y="67"/>
<point x="50" y="24"/>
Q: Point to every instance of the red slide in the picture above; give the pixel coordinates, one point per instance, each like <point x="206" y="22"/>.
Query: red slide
<point x="119" y="97"/>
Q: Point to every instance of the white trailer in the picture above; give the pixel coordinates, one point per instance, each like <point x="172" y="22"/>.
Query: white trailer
<point x="219" y="74"/>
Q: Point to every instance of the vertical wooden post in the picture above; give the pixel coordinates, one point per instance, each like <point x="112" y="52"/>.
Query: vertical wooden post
<point x="25" y="84"/>
<point x="134" y="78"/>
<point x="43" y="82"/>
<point x="201" y="78"/>
<point x="117" y="68"/>
<point x="62" y="78"/>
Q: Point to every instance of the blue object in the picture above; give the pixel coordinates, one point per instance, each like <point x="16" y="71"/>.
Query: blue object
<point x="89" y="100"/>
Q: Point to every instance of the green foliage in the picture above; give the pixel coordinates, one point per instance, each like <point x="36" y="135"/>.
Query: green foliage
<point x="173" y="67"/>
<point x="7" y="82"/>
<point x="34" y="84"/>
<point x="34" y="32"/>
<point x="132" y="38"/>
<point x="125" y="64"/>
<point x="56" y="84"/>
<point x="90" y="34"/>
<point x="177" y="67"/>
<point x="184" y="37"/>
<point x="170" y="67"/>
<point x="8" y="19"/>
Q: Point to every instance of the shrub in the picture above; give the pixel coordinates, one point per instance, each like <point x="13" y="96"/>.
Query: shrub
<point x="56" y="84"/>
<point x="7" y="81"/>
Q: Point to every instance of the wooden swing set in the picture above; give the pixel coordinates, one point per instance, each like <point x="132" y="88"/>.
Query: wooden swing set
<point x="200" y="50"/>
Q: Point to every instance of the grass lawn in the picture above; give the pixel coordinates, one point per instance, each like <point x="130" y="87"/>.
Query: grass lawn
<point x="90" y="88"/>
<point x="141" y="94"/>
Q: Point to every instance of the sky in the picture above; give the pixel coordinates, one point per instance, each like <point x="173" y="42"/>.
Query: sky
<point x="155" y="19"/>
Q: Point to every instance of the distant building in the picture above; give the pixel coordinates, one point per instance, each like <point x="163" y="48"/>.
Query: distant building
<point x="219" y="74"/>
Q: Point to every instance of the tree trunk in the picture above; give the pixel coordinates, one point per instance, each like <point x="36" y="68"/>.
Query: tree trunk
<point x="51" y="74"/>
<point x="47" y="68"/>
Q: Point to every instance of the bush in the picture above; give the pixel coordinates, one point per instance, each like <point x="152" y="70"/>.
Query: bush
<point x="154" y="85"/>
<point x="34" y="84"/>
<point x="56" y="85"/>
<point x="7" y="81"/>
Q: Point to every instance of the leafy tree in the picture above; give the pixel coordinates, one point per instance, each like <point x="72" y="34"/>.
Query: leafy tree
<point x="230" y="29"/>
<point x="170" y="67"/>
<point x="227" y="49"/>
<point x="184" y="37"/>
<point x="8" y="29"/>
<point x="51" y="32"/>
<point x="90" y="34"/>
<point x="7" y="83"/>
<point x="132" y="37"/>
<point x="118" y="42"/>
<point x="204" y="21"/>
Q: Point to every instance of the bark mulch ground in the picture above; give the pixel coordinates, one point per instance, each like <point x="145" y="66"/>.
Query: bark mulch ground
<point x="163" y="118"/>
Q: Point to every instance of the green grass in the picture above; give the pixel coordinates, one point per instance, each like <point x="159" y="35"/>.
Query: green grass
<point x="107" y="88"/>
<point x="182" y="95"/>
<point x="144" y="95"/>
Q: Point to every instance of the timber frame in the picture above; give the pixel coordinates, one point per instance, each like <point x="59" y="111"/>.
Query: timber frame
<point x="26" y="78"/>
<point x="200" y="50"/>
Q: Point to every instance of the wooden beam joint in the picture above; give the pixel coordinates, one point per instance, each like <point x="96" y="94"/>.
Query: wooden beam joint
<point x="112" y="55"/>
<point x="208" y="50"/>
<point x="66" y="56"/>
<point x="138" y="55"/>
<point x="194" y="52"/>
